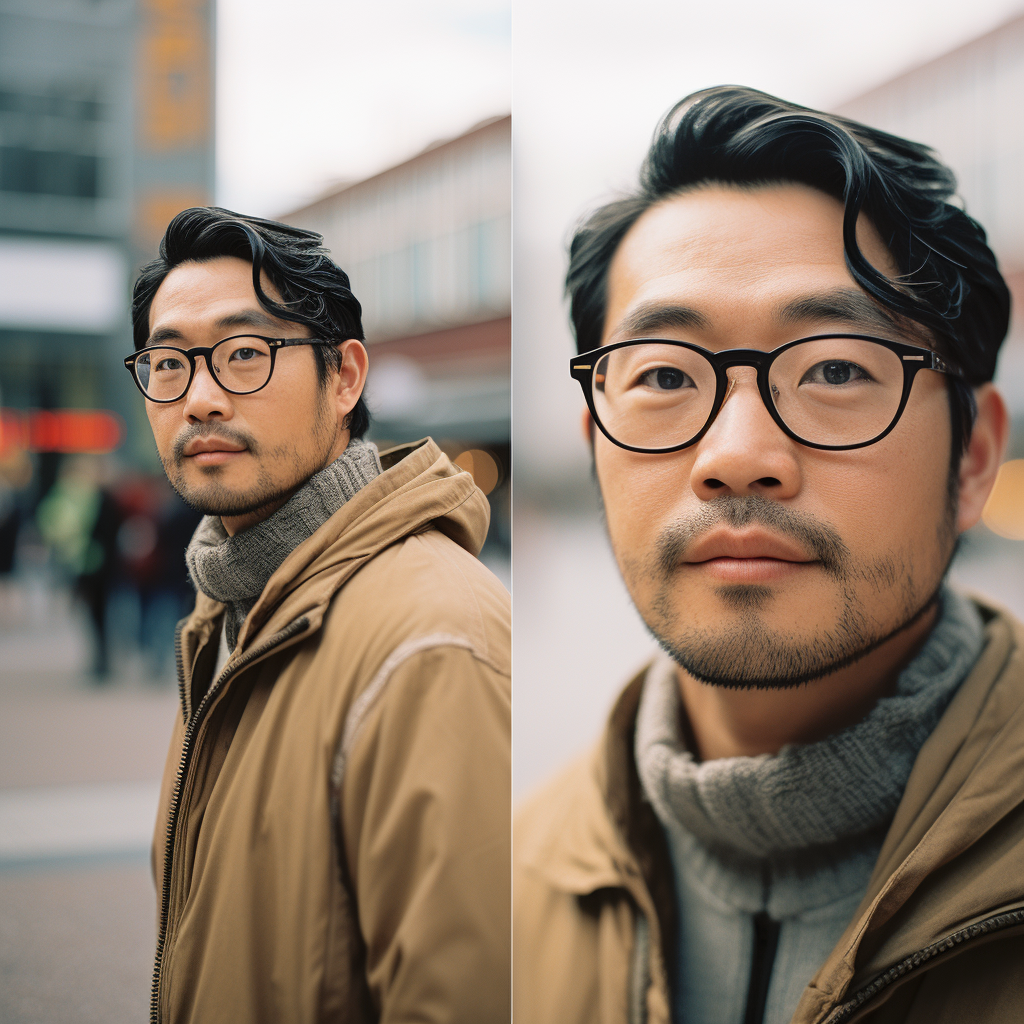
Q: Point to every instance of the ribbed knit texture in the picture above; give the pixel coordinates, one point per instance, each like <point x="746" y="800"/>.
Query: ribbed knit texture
<point x="236" y="569"/>
<point x="807" y="795"/>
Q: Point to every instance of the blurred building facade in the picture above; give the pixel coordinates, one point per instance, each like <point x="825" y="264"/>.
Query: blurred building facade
<point x="106" y="131"/>
<point x="427" y="245"/>
<point x="965" y="104"/>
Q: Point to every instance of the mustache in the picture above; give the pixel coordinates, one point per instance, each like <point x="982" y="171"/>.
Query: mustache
<point x="208" y="429"/>
<point x="819" y="538"/>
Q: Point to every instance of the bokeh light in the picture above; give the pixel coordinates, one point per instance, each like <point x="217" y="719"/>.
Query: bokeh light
<point x="1004" y="510"/>
<point x="483" y="466"/>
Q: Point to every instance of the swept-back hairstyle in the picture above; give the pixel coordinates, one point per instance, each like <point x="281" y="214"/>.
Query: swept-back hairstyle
<point x="949" y="279"/>
<point x="314" y="289"/>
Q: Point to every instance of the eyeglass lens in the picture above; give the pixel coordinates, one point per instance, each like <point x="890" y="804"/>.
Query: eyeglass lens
<point x="831" y="391"/>
<point x="240" y="364"/>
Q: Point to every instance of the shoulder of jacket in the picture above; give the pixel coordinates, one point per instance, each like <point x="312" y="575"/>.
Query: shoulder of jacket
<point x="545" y="804"/>
<point x="563" y="831"/>
<point x="425" y="585"/>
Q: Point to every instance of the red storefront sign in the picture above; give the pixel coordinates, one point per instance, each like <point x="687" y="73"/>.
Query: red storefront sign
<point x="67" y="431"/>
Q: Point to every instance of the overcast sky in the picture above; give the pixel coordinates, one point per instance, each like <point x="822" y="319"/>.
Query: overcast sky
<point x="312" y="92"/>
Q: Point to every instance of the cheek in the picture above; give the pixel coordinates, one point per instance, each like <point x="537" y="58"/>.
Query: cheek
<point x="163" y="421"/>
<point x="891" y="496"/>
<point x="291" y="404"/>
<point x="641" y="494"/>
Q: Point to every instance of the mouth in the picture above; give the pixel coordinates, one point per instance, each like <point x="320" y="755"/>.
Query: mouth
<point x="748" y="556"/>
<point x="208" y="451"/>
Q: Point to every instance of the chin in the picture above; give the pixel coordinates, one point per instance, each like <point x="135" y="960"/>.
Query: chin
<point x="218" y="500"/>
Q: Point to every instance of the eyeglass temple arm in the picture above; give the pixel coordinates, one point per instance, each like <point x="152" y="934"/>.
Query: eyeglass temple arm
<point x="933" y="361"/>
<point x="285" y="342"/>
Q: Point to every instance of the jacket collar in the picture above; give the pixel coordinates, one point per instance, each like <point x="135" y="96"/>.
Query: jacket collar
<point x="964" y="788"/>
<point x="603" y="834"/>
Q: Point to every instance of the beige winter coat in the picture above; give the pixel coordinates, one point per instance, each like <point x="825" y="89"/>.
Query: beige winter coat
<point x="333" y="840"/>
<point x="937" y="939"/>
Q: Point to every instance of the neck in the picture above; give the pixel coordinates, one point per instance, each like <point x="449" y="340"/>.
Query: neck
<point x="748" y="722"/>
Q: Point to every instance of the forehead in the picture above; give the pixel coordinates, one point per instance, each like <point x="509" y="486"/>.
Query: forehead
<point x="735" y="253"/>
<point x="195" y="294"/>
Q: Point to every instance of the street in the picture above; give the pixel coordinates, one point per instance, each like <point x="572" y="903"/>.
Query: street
<point x="79" y="772"/>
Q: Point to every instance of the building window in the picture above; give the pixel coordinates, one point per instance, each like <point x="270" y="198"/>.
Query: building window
<point x="49" y="172"/>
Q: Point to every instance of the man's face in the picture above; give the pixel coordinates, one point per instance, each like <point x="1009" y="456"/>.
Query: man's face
<point x="753" y="559"/>
<point x="234" y="455"/>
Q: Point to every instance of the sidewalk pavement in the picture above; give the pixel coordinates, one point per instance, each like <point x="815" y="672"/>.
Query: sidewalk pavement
<point x="79" y="772"/>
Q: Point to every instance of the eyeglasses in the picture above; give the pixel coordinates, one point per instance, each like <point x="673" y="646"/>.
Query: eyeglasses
<point x="241" y="365"/>
<point x="831" y="391"/>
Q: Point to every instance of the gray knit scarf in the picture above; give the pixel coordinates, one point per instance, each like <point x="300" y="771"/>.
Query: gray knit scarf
<point x="236" y="569"/>
<point x="841" y="789"/>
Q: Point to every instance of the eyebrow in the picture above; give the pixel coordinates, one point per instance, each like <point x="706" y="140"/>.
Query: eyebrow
<point x="243" y="318"/>
<point x="848" y="306"/>
<point x="652" y="317"/>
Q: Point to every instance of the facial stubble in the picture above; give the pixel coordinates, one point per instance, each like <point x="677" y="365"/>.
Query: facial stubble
<point x="216" y="499"/>
<point x="744" y="652"/>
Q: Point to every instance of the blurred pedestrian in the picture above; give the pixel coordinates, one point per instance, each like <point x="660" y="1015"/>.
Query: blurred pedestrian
<point x="79" y="520"/>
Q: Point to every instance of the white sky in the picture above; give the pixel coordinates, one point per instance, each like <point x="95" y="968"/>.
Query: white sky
<point x="311" y="92"/>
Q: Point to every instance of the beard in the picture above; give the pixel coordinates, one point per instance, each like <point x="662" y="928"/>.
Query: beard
<point x="745" y="652"/>
<point x="213" y="498"/>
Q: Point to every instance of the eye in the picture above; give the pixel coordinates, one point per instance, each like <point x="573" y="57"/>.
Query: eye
<point x="666" y="378"/>
<point x="835" y="372"/>
<point x="168" y="364"/>
<point x="244" y="354"/>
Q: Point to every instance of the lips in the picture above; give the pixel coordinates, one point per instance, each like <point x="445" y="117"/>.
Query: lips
<point x="203" y="445"/>
<point x="745" y="545"/>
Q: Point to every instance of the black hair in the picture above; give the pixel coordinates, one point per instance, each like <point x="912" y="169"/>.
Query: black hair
<point x="949" y="279"/>
<point x="314" y="289"/>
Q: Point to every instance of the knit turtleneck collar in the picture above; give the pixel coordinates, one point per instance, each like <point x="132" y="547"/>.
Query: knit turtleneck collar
<point x="841" y="790"/>
<point x="236" y="569"/>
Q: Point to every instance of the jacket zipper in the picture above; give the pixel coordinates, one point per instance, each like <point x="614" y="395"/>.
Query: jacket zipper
<point x="179" y="661"/>
<point x="981" y="928"/>
<point x="186" y="754"/>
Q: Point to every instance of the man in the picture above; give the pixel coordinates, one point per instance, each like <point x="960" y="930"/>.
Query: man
<point x="332" y="841"/>
<point x="807" y="808"/>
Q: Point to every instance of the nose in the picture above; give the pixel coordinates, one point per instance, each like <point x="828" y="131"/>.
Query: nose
<point x="745" y="451"/>
<point x="205" y="398"/>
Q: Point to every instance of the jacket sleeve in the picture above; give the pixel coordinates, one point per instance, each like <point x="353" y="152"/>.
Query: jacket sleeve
<point x="426" y="811"/>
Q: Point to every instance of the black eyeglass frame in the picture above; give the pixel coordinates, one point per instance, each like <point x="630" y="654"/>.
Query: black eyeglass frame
<point x="912" y="358"/>
<point x="191" y="353"/>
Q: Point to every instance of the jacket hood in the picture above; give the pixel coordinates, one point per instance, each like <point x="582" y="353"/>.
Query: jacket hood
<point x="420" y="489"/>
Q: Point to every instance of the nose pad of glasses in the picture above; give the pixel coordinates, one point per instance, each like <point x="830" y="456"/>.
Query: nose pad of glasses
<point x="206" y="360"/>
<point x="735" y="375"/>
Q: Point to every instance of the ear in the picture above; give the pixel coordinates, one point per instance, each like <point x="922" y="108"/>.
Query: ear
<point x="350" y="379"/>
<point x="980" y="462"/>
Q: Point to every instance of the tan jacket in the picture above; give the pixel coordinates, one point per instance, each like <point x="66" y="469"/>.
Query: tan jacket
<point x="937" y="939"/>
<point x="336" y="807"/>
